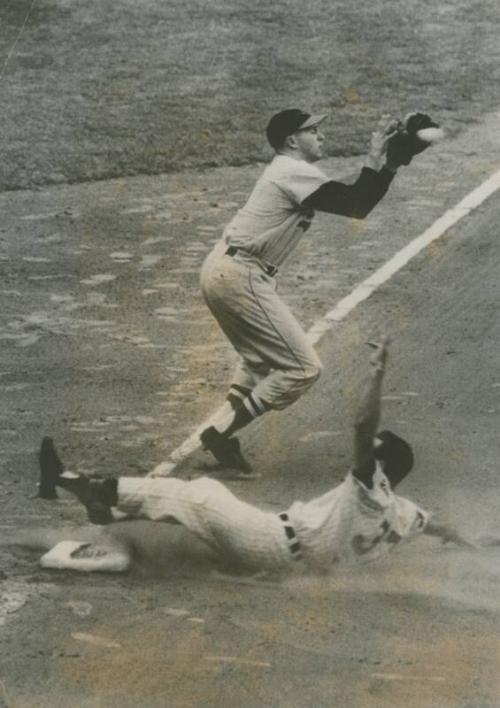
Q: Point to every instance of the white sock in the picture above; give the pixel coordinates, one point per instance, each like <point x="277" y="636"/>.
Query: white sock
<point x="222" y="418"/>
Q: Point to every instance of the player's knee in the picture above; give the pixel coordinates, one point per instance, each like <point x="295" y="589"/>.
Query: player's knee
<point x="206" y="487"/>
<point x="312" y="372"/>
<point x="305" y="377"/>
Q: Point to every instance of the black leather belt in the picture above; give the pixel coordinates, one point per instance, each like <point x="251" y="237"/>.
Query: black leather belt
<point x="268" y="269"/>
<point x="294" y="543"/>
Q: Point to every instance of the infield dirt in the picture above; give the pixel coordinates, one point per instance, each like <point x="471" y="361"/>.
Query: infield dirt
<point x="107" y="345"/>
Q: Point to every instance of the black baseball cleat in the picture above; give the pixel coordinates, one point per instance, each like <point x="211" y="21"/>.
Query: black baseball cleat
<point x="94" y="493"/>
<point x="51" y="468"/>
<point x="90" y="492"/>
<point x="225" y="450"/>
<point x="99" y="513"/>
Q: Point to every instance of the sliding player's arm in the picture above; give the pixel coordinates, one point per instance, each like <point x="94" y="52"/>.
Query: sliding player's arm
<point x="367" y="418"/>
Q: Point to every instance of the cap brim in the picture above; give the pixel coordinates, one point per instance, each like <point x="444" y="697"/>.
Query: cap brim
<point x="313" y="120"/>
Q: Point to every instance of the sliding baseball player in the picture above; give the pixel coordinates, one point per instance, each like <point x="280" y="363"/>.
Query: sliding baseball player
<point x="361" y="519"/>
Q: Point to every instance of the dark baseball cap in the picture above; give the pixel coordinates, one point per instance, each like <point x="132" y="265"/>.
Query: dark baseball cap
<point x="287" y="122"/>
<point x="395" y="454"/>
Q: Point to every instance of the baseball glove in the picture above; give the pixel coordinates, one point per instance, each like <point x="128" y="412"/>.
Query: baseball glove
<point x="405" y="143"/>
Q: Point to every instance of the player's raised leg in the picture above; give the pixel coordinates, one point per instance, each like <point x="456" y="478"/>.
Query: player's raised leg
<point x="96" y="494"/>
<point x="278" y="362"/>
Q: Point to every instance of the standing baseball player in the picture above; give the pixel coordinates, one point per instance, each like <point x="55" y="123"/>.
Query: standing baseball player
<point x="278" y="363"/>
<point x="360" y="519"/>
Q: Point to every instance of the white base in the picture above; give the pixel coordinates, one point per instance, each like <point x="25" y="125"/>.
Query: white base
<point x="86" y="557"/>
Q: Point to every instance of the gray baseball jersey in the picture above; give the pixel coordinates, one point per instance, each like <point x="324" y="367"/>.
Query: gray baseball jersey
<point x="272" y="221"/>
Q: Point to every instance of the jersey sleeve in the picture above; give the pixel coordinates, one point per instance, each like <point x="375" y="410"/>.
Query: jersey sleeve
<point x="355" y="200"/>
<point x="409" y="519"/>
<point x="406" y="518"/>
<point x="378" y="496"/>
<point x="299" y="180"/>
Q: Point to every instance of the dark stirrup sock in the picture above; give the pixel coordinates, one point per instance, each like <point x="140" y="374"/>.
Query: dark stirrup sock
<point x="236" y="395"/>
<point x="91" y="489"/>
<point x="245" y="413"/>
<point x="51" y="468"/>
<point x="105" y="490"/>
<point x="242" y="417"/>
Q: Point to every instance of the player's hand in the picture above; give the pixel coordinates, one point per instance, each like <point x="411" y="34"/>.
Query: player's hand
<point x="385" y="129"/>
<point x="449" y="535"/>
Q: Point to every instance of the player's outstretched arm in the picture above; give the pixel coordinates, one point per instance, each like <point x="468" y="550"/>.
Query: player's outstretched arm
<point x="368" y="413"/>
<point x="447" y="534"/>
<point x="357" y="200"/>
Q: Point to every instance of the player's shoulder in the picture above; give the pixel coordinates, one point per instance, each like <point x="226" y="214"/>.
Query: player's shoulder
<point x="410" y="515"/>
<point x="377" y="497"/>
<point x="284" y="167"/>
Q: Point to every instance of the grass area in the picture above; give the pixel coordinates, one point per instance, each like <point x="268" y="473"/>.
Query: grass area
<point x="101" y="89"/>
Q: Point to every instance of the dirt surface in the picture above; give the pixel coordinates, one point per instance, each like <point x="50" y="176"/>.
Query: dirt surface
<point x="108" y="347"/>
<point x="94" y="90"/>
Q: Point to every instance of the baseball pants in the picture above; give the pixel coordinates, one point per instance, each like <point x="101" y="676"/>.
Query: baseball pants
<point x="237" y="530"/>
<point x="278" y="362"/>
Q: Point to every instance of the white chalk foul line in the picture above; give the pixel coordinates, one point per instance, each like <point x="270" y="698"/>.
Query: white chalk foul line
<point x="402" y="257"/>
<point x="362" y="292"/>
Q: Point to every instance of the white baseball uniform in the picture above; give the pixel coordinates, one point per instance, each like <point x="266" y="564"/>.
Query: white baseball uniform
<point x="278" y="362"/>
<point x="350" y="523"/>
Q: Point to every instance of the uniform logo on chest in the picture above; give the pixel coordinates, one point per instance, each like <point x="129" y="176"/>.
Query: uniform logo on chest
<point x="362" y="544"/>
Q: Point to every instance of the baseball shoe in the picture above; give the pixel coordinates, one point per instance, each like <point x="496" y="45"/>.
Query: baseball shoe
<point x="87" y="490"/>
<point x="91" y="492"/>
<point x="225" y="450"/>
<point x="51" y="468"/>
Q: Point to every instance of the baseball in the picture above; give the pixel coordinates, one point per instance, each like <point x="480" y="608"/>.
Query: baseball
<point x="430" y="135"/>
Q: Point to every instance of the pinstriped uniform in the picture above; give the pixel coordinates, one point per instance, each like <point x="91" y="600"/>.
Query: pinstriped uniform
<point x="350" y="523"/>
<point x="236" y="530"/>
